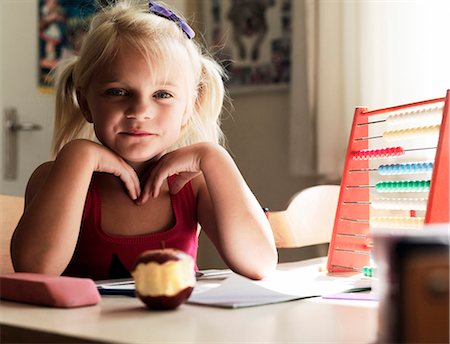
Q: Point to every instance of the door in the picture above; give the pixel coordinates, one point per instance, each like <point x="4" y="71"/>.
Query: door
<point x="19" y="90"/>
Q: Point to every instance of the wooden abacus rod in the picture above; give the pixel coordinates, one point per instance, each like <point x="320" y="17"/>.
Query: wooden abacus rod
<point x="351" y="251"/>
<point x="395" y="203"/>
<point x="368" y="239"/>
<point x="368" y="271"/>
<point x="353" y="235"/>
<point x="346" y="267"/>
<point x="354" y="220"/>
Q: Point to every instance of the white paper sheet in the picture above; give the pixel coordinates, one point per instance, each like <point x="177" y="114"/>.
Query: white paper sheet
<point x="237" y="291"/>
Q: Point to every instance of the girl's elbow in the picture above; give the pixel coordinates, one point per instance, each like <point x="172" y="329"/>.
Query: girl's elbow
<point x="27" y="262"/>
<point x="45" y="269"/>
<point x="264" y="270"/>
<point x="262" y="267"/>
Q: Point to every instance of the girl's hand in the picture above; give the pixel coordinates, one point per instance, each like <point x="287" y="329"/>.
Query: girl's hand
<point x="105" y="160"/>
<point x="184" y="162"/>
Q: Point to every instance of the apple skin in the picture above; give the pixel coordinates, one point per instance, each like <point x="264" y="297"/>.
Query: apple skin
<point x="164" y="278"/>
<point x="166" y="302"/>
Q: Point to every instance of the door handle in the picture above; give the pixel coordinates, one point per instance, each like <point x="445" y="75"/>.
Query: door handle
<point x="23" y="126"/>
<point x="11" y="127"/>
<point x="12" y="122"/>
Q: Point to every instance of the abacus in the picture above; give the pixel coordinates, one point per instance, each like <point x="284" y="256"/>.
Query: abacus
<point x="396" y="175"/>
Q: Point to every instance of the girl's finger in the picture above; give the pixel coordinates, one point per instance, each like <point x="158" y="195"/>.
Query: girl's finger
<point x="181" y="180"/>
<point x="145" y="194"/>
<point x="157" y="182"/>
<point x="131" y="181"/>
<point x="152" y="187"/>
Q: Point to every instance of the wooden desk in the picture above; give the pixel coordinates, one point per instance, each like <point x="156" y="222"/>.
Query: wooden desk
<point x="120" y="319"/>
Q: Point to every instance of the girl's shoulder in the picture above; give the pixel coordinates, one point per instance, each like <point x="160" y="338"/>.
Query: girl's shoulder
<point x="37" y="179"/>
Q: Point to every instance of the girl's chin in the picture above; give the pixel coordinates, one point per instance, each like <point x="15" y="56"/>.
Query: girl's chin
<point x="141" y="164"/>
<point x="138" y="162"/>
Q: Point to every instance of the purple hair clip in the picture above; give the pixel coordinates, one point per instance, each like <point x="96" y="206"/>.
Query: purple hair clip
<point x="165" y="13"/>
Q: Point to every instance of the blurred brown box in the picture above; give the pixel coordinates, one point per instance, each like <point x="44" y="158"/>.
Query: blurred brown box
<point x="413" y="284"/>
<point x="423" y="292"/>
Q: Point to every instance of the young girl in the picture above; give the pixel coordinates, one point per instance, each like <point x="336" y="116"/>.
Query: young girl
<point x="157" y="170"/>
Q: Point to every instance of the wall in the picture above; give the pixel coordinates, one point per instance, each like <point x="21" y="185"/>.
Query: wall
<point x="257" y="133"/>
<point x="257" y="130"/>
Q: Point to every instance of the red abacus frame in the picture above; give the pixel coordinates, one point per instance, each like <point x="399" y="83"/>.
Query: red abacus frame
<point x="350" y="243"/>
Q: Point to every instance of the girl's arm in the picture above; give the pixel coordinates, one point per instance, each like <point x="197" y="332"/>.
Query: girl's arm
<point x="46" y="235"/>
<point x="228" y="211"/>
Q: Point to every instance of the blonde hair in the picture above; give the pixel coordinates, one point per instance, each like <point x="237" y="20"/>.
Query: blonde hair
<point x="129" y="22"/>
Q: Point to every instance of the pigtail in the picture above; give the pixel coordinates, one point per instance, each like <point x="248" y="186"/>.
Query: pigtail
<point x="69" y="121"/>
<point x="204" y="124"/>
<point x="210" y="98"/>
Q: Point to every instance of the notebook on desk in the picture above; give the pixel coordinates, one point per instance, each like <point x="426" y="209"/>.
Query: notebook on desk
<point x="125" y="286"/>
<point x="122" y="286"/>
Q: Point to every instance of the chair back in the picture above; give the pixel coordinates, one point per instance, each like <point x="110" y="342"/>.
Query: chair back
<point x="11" y="209"/>
<point x="308" y="219"/>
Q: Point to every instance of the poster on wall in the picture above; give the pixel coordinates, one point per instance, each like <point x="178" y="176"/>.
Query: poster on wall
<point x="252" y="39"/>
<point x="62" y="25"/>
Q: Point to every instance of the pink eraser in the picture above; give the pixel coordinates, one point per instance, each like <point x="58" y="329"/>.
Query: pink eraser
<point x="46" y="290"/>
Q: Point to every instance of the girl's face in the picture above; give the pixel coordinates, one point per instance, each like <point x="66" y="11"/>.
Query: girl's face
<point x="138" y="110"/>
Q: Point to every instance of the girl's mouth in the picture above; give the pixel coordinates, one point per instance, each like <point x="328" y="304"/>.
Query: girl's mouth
<point x="136" y="132"/>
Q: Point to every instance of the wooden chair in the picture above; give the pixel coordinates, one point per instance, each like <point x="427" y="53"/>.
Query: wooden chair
<point x="308" y="219"/>
<point x="302" y="231"/>
<point x="11" y="208"/>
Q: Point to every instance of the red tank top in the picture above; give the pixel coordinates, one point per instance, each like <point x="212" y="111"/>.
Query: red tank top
<point x="99" y="255"/>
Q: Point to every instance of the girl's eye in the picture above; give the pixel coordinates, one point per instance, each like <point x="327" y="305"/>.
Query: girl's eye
<point x="163" y="95"/>
<point x="117" y="92"/>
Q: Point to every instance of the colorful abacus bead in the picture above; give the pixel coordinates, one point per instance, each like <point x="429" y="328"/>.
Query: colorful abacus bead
<point x="367" y="154"/>
<point x="395" y="169"/>
<point x="400" y="203"/>
<point x="409" y="133"/>
<point x="396" y="222"/>
<point x="426" y="117"/>
<point x="403" y="186"/>
<point x="368" y="271"/>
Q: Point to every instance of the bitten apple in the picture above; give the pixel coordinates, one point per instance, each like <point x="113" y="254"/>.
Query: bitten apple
<point x="164" y="278"/>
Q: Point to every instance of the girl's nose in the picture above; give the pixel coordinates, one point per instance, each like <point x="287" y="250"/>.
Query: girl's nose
<point x="140" y="109"/>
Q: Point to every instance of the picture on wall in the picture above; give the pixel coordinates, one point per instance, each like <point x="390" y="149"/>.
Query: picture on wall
<point x="62" y="25"/>
<point x="252" y="39"/>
